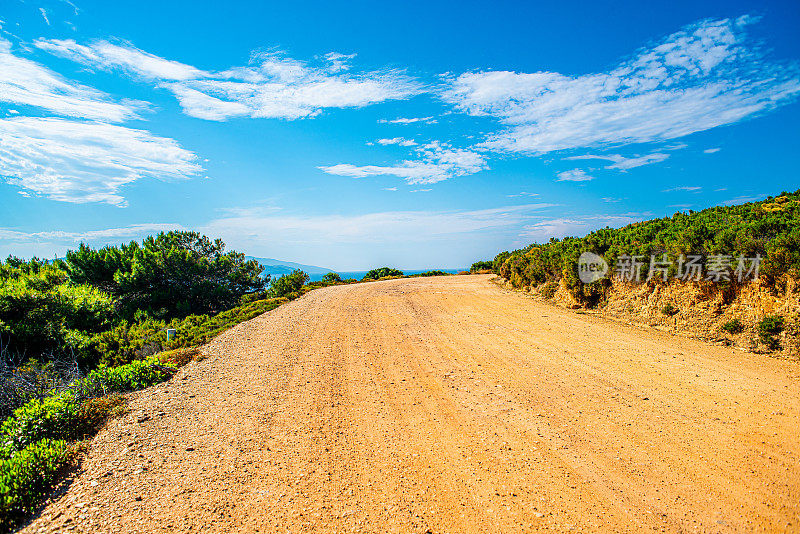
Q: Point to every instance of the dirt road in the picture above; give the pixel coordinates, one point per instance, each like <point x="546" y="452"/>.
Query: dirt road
<point x="447" y="405"/>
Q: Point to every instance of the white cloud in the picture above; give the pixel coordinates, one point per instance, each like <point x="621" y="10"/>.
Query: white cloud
<point x="370" y="227"/>
<point x="83" y="161"/>
<point x="420" y="190"/>
<point x="701" y="77"/>
<point x="622" y="163"/>
<point x="711" y="150"/>
<point x="438" y="162"/>
<point x="574" y="175"/>
<point x="273" y="86"/>
<point x="397" y="141"/>
<point x="408" y="120"/>
<point x="744" y="199"/>
<point x="690" y="188"/>
<point x="543" y="230"/>
<point x="43" y="11"/>
<point x="523" y="194"/>
<point x="108" y="56"/>
<point x="72" y="238"/>
<point x="26" y="82"/>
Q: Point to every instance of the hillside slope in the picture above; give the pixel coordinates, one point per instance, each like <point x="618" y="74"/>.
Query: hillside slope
<point x="447" y="404"/>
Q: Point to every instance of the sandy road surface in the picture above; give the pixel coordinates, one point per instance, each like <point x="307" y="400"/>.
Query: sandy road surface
<point x="447" y="405"/>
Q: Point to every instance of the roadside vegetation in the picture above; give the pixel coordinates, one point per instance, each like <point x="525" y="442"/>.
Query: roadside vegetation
<point x="770" y="228"/>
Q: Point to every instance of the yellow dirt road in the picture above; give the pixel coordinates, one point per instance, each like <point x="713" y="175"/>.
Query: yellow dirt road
<point x="447" y="405"/>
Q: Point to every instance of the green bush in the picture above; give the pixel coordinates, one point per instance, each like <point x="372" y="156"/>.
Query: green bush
<point x="28" y="475"/>
<point x="669" y="309"/>
<point x="549" y="289"/>
<point x="42" y="312"/>
<point x="288" y="284"/>
<point x="170" y="275"/>
<point x="430" y="273"/>
<point x="331" y="278"/>
<point x="130" y="341"/>
<point x="768" y="329"/>
<point x="481" y="266"/>
<point x="54" y="417"/>
<point x="383" y="272"/>
<point x="734" y="326"/>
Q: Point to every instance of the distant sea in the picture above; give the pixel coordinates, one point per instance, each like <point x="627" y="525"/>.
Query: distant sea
<point x="358" y="275"/>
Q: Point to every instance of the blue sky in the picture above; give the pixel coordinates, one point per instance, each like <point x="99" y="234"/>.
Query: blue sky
<point x="359" y="134"/>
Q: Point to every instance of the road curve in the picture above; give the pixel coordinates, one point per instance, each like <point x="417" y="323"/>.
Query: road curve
<point x="447" y="404"/>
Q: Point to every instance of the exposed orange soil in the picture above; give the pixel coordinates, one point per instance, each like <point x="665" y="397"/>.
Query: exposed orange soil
<point x="447" y="405"/>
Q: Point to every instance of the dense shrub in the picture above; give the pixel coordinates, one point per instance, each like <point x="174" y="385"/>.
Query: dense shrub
<point x="27" y="476"/>
<point x="669" y="309"/>
<point x="479" y="266"/>
<point x="331" y="278"/>
<point x="734" y="326"/>
<point x="768" y="329"/>
<point x="383" y="272"/>
<point x="288" y="284"/>
<point x="430" y="273"/>
<point x="129" y="341"/>
<point x="170" y="275"/>
<point x="42" y="312"/>
<point x="54" y="417"/>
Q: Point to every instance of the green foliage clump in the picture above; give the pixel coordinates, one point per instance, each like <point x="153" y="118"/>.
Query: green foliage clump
<point x="383" y="272"/>
<point x="669" y="309"/>
<point x="434" y="272"/>
<point x="289" y="284"/>
<point x="170" y="275"/>
<point x="481" y="266"/>
<point x="770" y="228"/>
<point x="127" y="342"/>
<point x="734" y="326"/>
<point x="43" y="312"/>
<point x="768" y="329"/>
<point x="54" y="417"/>
<point x="27" y="476"/>
<point x="331" y="278"/>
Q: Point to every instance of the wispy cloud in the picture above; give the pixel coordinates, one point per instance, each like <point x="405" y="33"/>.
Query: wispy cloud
<point x="622" y="163"/>
<point x="108" y="56"/>
<point x="574" y="175"/>
<point x="397" y="141"/>
<point x="711" y="150"/>
<point x="543" y="230"/>
<point x="437" y="162"/>
<point x="704" y="76"/>
<point x="43" y="11"/>
<point x="523" y="194"/>
<point x="744" y="199"/>
<point x="25" y="82"/>
<point x="408" y="120"/>
<point x="372" y="227"/>
<point x="67" y="238"/>
<point x="86" y="161"/>
<point x="272" y="86"/>
<point x="689" y="188"/>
